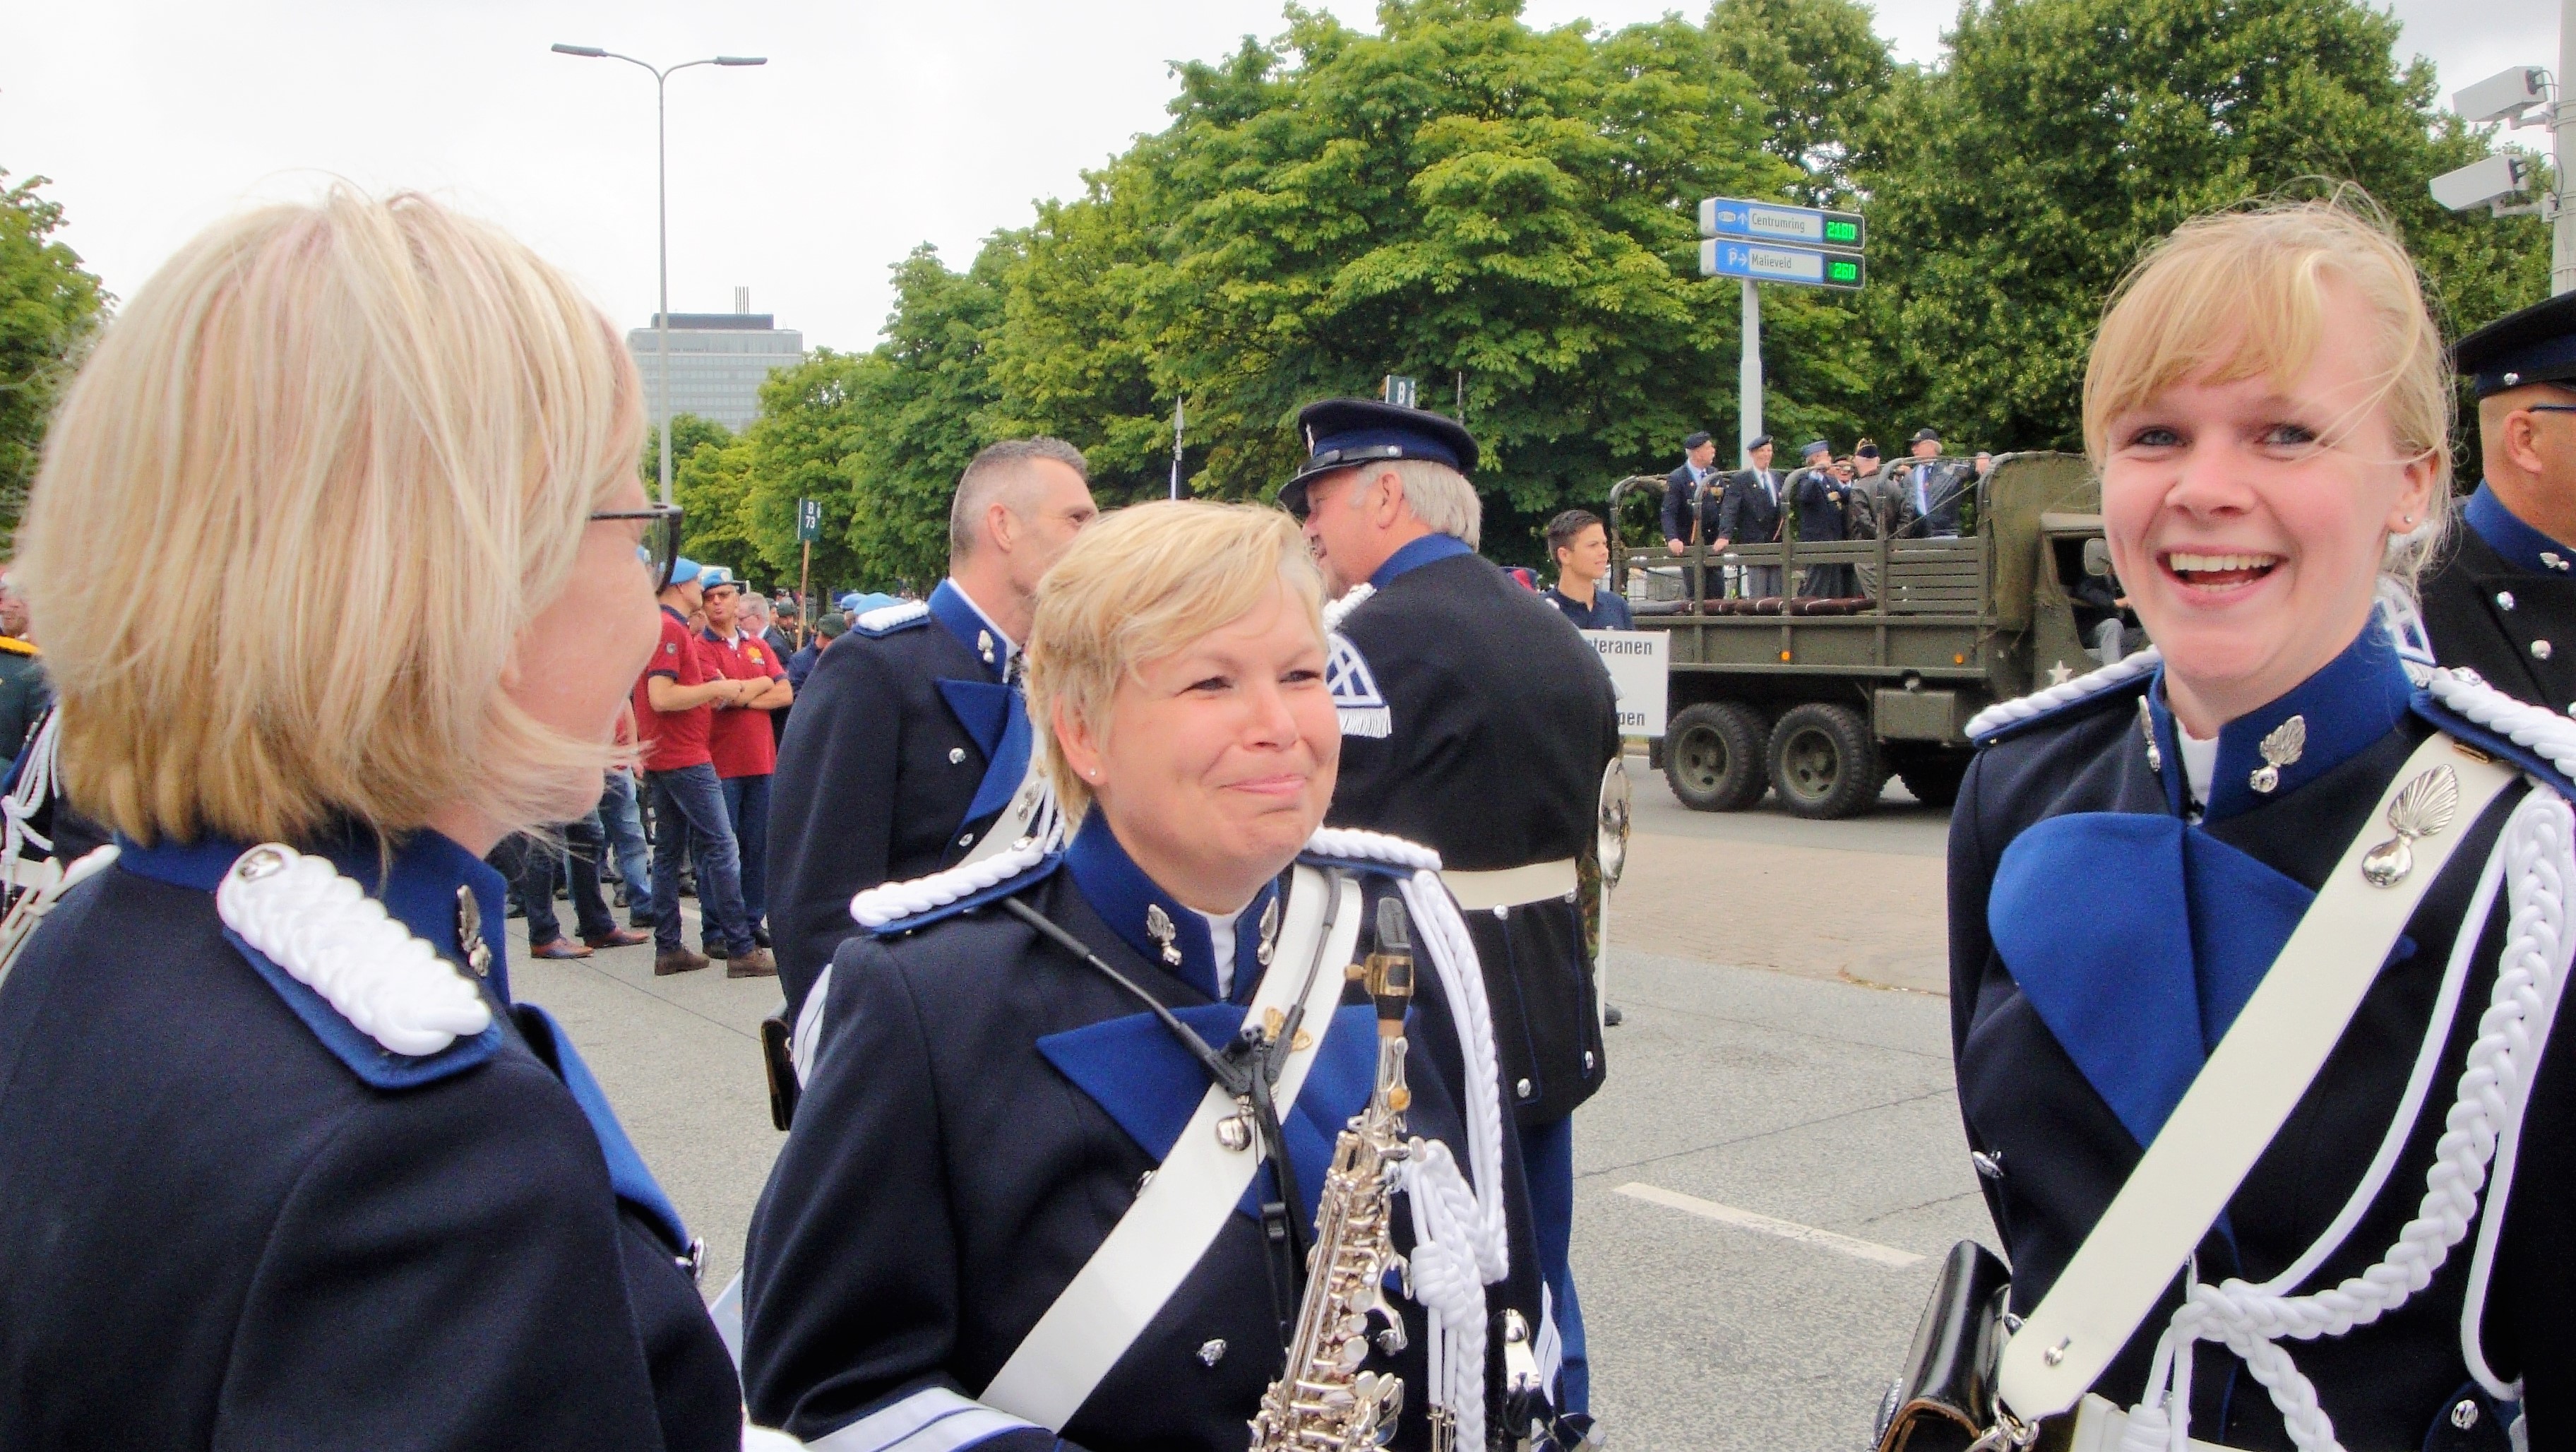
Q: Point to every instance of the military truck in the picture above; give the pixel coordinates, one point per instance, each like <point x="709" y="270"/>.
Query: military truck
<point x="1822" y="700"/>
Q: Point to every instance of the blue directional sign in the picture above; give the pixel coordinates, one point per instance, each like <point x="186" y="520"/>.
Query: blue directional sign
<point x="1771" y="222"/>
<point x="1765" y="262"/>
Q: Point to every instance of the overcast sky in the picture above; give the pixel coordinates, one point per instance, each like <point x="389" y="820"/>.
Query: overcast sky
<point x="872" y="128"/>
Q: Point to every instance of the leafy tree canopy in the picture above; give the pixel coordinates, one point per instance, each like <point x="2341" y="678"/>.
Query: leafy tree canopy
<point x="49" y="309"/>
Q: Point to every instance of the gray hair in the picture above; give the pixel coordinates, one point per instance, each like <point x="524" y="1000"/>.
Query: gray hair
<point x="1440" y="497"/>
<point x="996" y="470"/>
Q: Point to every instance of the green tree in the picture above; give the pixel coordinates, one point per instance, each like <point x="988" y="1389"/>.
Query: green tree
<point x="49" y="309"/>
<point x="1820" y="69"/>
<point x="2012" y="187"/>
<point x="689" y="433"/>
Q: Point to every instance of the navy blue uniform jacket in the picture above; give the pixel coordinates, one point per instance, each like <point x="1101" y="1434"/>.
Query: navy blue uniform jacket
<point x="2062" y="1099"/>
<point x="948" y="1175"/>
<point x="214" y="1233"/>
<point x="1498" y="721"/>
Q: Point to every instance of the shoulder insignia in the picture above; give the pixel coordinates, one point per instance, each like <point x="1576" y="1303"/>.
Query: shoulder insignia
<point x="14" y="646"/>
<point x="893" y="908"/>
<point x="1366" y="851"/>
<point x="887" y="619"/>
<point x="1356" y="698"/>
<point x="2535" y="738"/>
<point x="2010" y="718"/>
<point x="377" y="996"/>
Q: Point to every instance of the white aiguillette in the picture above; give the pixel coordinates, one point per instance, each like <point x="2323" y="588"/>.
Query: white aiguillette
<point x="308" y="918"/>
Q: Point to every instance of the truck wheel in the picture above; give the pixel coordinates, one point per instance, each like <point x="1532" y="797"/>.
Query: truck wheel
<point x="1934" y="780"/>
<point x="1713" y="757"/>
<point x="1824" y="762"/>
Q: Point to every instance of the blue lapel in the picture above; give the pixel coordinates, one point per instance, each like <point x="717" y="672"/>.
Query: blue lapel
<point x="2521" y="545"/>
<point x="1124" y="897"/>
<point x="950" y="607"/>
<point x="1415" y="555"/>
<point x="627" y="1174"/>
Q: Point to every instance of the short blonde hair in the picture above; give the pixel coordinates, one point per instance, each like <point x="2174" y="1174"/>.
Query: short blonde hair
<point x="2242" y="295"/>
<point x="296" y="509"/>
<point x="1139" y="584"/>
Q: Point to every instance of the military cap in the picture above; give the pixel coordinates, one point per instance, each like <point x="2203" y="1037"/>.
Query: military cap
<point x="1927" y="436"/>
<point x="1758" y="441"/>
<point x="1814" y="447"/>
<point x="1694" y="441"/>
<point x="2535" y="345"/>
<point x="1343" y="432"/>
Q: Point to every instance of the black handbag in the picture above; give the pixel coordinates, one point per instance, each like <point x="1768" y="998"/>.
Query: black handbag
<point x="1945" y="1399"/>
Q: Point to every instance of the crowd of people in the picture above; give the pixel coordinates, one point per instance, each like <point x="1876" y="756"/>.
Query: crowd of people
<point x="1828" y="499"/>
<point x="1183" y="915"/>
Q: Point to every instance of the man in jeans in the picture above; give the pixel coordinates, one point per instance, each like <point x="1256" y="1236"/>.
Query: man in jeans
<point x="674" y="706"/>
<point x="739" y="740"/>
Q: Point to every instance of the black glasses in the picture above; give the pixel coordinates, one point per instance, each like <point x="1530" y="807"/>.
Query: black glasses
<point x="2549" y="408"/>
<point x="660" y="547"/>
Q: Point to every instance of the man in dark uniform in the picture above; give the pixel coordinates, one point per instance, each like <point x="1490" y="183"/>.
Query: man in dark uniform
<point x="1691" y="495"/>
<point x="1475" y="721"/>
<point x="1751" y="515"/>
<point x="1928" y="492"/>
<point x="2502" y="598"/>
<point x="1819" y="493"/>
<point x="910" y="739"/>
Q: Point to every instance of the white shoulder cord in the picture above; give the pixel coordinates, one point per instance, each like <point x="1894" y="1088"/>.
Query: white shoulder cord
<point x="310" y="919"/>
<point x="1461" y="1234"/>
<point x="28" y="914"/>
<point x="891" y="902"/>
<point x="2535" y="859"/>
<point x="35" y="788"/>
<point x="2039" y="703"/>
<point x="1337" y="611"/>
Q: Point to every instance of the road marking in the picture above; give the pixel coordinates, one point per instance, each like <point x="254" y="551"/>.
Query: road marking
<point x="1785" y="1229"/>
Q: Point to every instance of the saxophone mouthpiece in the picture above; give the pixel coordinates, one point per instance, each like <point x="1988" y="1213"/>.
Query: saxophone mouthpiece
<point x="1390" y="968"/>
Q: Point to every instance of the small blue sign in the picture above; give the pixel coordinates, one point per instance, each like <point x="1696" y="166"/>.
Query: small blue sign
<point x="1797" y="266"/>
<point x="1771" y="222"/>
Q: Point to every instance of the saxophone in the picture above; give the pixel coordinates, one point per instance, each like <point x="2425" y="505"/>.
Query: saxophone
<point x="1322" y="1401"/>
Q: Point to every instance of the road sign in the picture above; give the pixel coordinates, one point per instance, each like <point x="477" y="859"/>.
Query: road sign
<point x="1771" y="222"/>
<point x="1765" y="262"/>
<point x="1400" y="390"/>
<point x="809" y="520"/>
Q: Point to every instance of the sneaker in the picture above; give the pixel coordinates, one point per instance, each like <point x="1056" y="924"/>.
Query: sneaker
<point x="755" y="964"/>
<point x="676" y="960"/>
<point x="617" y="937"/>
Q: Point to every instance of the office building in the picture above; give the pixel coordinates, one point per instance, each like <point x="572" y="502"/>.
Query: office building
<point x="718" y="361"/>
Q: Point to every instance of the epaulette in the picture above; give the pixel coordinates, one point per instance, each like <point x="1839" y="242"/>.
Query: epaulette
<point x="2535" y="738"/>
<point x="887" y="619"/>
<point x="891" y="909"/>
<point x="14" y="646"/>
<point x="378" y="996"/>
<point x="1370" y="852"/>
<point x="2006" y="719"/>
<point x="1337" y="611"/>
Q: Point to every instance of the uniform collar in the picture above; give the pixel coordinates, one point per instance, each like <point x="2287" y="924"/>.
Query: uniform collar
<point x="2352" y="701"/>
<point x="2522" y="546"/>
<point x="1147" y="918"/>
<point x="1414" y="556"/>
<point x="954" y="608"/>
<point x="420" y="891"/>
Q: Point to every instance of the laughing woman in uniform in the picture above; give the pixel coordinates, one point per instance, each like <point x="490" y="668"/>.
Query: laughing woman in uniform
<point x="1010" y="1208"/>
<point x="282" y="1165"/>
<point x="2132" y="853"/>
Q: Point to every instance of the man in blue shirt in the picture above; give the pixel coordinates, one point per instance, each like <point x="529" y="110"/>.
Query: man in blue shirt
<point x="1580" y="544"/>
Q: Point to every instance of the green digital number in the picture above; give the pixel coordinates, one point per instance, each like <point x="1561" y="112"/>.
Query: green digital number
<point x="1841" y="231"/>
<point x="1845" y="271"/>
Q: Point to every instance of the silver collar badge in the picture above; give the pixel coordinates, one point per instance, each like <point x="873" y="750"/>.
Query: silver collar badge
<point x="1269" y="931"/>
<point x="2281" y="748"/>
<point x="469" y="933"/>
<point x="984" y="645"/>
<point x="2424" y="807"/>
<point x="2147" y="729"/>
<point x="1158" y="926"/>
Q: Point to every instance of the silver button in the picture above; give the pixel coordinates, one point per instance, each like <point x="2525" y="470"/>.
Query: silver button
<point x="2465" y="1414"/>
<point x="966" y="841"/>
<point x="1212" y="1351"/>
<point x="2540" y="650"/>
<point x="1522" y="1088"/>
<point x="257" y="863"/>
<point x="1989" y="1166"/>
<point x="2504" y="599"/>
<point x="1502" y="910"/>
<point x="1587" y="1061"/>
<point x="956" y="754"/>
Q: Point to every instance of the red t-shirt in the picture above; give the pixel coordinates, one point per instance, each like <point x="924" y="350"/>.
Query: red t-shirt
<point x="674" y="739"/>
<point x="741" y="743"/>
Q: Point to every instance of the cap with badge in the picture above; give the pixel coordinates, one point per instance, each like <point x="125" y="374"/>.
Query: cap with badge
<point x="1758" y="441"/>
<point x="1343" y="433"/>
<point x="716" y="577"/>
<point x="1697" y="440"/>
<point x="2535" y="345"/>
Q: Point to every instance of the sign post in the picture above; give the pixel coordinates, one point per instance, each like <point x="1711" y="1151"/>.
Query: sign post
<point x="809" y="527"/>
<point x="1759" y="242"/>
<point x="1637" y="661"/>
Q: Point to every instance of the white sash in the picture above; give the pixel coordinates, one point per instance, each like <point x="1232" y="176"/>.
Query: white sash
<point x="2239" y="1100"/>
<point x="1178" y="1214"/>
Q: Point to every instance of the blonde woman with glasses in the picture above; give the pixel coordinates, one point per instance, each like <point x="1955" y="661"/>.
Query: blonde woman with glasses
<point x="2257" y="937"/>
<point x="336" y="551"/>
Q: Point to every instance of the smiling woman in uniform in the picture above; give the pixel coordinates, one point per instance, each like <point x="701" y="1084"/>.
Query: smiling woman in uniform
<point x="2174" y="884"/>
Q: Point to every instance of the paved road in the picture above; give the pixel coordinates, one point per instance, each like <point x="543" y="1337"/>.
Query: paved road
<point x="1765" y="1184"/>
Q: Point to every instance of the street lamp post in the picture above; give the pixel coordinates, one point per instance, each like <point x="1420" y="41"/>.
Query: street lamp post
<point x="662" y="171"/>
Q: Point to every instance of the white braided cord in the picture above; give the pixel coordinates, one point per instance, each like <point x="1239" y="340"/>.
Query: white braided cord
<point x="35" y="788"/>
<point x="2039" y="703"/>
<point x="2538" y="852"/>
<point x="315" y="922"/>
<point x="2537" y="729"/>
<point x="1337" y="611"/>
<point x="886" y="617"/>
<point x="892" y="902"/>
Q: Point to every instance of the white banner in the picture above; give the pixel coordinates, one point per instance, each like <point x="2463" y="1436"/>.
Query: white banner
<point x="1637" y="660"/>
